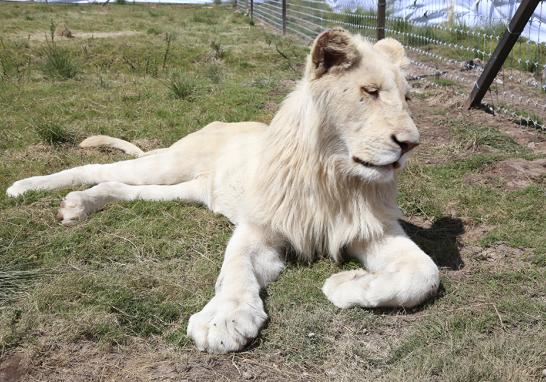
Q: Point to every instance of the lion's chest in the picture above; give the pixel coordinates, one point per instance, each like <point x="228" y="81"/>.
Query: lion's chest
<point x="317" y="231"/>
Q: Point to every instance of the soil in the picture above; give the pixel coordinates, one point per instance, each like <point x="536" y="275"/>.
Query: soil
<point x="511" y="174"/>
<point x="139" y="361"/>
<point x="11" y="369"/>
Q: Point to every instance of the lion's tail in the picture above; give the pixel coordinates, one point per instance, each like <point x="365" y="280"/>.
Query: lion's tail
<point x="120" y="144"/>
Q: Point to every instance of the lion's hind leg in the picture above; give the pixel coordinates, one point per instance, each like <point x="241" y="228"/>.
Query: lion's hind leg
<point x="397" y="274"/>
<point x="161" y="168"/>
<point x="77" y="205"/>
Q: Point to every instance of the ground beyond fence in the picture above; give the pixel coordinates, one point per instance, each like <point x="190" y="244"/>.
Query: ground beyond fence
<point x="449" y="44"/>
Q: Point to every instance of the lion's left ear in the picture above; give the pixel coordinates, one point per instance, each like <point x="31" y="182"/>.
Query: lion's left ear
<point x="394" y="50"/>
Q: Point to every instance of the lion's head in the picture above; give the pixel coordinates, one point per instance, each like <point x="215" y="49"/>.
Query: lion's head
<point x="362" y="93"/>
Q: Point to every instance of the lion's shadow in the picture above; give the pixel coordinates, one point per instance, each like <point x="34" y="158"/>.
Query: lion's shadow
<point x="439" y="241"/>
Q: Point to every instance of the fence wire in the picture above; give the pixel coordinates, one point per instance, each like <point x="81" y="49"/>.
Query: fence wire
<point x="448" y="41"/>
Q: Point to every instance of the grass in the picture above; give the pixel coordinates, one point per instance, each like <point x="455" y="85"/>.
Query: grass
<point x="54" y="133"/>
<point x="472" y="137"/>
<point x="59" y="63"/>
<point x="117" y="290"/>
<point x="182" y="87"/>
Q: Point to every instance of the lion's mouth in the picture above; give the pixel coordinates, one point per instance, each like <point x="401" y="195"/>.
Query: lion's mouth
<point x="393" y="165"/>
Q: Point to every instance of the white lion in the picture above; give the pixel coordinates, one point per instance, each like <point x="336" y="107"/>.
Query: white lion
<point x="318" y="181"/>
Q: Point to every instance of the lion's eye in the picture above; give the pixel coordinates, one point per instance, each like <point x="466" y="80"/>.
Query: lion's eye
<point x="374" y="92"/>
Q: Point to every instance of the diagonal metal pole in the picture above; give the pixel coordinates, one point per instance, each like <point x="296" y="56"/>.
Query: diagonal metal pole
<point x="510" y="37"/>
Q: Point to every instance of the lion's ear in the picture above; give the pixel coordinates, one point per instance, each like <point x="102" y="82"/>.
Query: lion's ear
<point x="332" y="50"/>
<point x="393" y="50"/>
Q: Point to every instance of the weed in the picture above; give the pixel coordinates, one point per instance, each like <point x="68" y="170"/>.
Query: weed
<point x="54" y="133"/>
<point x="215" y="73"/>
<point x="154" y="31"/>
<point x="58" y="61"/>
<point x="218" y="51"/>
<point x="52" y="28"/>
<point x="182" y="87"/>
<point x="169" y="37"/>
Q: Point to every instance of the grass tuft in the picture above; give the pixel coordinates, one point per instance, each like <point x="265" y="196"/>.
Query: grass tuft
<point x="473" y="138"/>
<point x="215" y="73"/>
<point x="54" y="133"/>
<point x="59" y="62"/>
<point x="182" y="87"/>
<point x="218" y="52"/>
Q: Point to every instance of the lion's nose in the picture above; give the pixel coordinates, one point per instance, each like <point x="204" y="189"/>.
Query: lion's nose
<point x="405" y="146"/>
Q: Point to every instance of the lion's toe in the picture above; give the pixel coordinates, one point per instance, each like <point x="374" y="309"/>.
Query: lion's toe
<point x="340" y="288"/>
<point x="19" y="188"/>
<point x="226" y="325"/>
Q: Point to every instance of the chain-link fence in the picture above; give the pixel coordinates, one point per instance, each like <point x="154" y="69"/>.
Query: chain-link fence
<point x="449" y="42"/>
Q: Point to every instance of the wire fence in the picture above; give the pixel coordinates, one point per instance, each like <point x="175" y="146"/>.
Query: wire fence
<point x="449" y="43"/>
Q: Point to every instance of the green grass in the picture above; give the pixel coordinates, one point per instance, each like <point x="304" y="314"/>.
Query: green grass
<point x="59" y="62"/>
<point x="182" y="87"/>
<point x="117" y="289"/>
<point x="472" y="137"/>
<point x="54" y="133"/>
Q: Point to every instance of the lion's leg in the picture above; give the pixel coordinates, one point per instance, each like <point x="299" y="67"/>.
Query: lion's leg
<point x="162" y="168"/>
<point x="397" y="274"/>
<point x="77" y="205"/>
<point x="236" y="313"/>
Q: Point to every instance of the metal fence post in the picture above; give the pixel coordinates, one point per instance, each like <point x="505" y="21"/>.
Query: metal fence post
<point x="381" y="5"/>
<point x="524" y="12"/>
<point x="252" y="10"/>
<point x="283" y="16"/>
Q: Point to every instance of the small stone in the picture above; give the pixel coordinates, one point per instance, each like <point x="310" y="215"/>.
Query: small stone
<point x="311" y="335"/>
<point x="544" y="373"/>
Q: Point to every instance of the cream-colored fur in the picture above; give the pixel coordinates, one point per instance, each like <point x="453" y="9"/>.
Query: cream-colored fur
<point x="318" y="181"/>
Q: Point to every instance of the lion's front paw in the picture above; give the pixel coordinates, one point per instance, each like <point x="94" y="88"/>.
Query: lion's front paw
<point x="343" y="288"/>
<point x="19" y="188"/>
<point x="75" y="206"/>
<point x="226" y="324"/>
